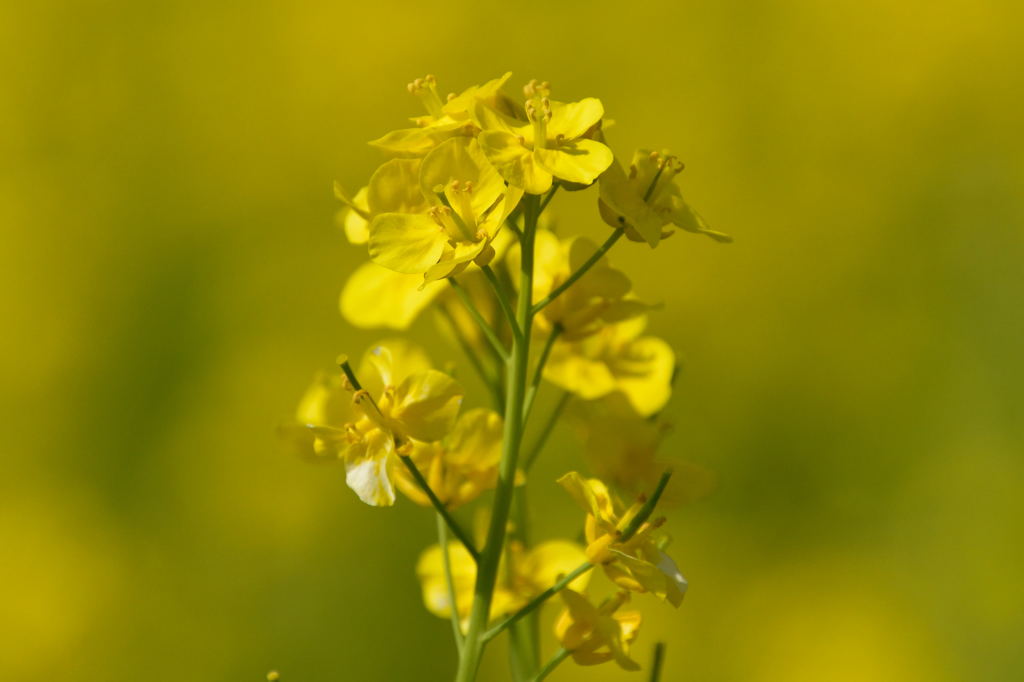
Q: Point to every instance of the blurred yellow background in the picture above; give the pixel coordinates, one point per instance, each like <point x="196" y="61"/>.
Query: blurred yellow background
<point x="853" y="363"/>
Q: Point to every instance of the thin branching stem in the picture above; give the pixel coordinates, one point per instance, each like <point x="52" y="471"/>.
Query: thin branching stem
<point x="582" y="270"/>
<point x="503" y="300"/>
<point x="550" y="666"/>
<point x="548" y="197"/>
<point x="456" y="529"/>
<point x="489" y="380"/>
<point x="539" y="600"/>
<point x="442" y="540"/>
<point x="538" y="373"/>
<point x="487" y="329"/>
<point x="657" y="661"/>
<point x="516" y="370"/>
<point x="549" y="426"/>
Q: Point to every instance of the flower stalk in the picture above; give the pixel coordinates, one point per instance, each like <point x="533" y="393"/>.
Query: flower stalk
<point x="517" y="365"/>
<point x="478" y="168"/>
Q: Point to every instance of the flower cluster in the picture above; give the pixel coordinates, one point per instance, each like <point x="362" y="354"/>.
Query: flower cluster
<point x="454" y="220"/>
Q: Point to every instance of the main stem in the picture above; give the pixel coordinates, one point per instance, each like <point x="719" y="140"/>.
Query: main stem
<point x="517" y="364"/>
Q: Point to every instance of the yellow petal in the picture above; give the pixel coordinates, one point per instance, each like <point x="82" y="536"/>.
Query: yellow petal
<point x="389" y="362"/>
<point x="662" y="579"/>
<point x="572" y="119"/>
<point x="685" y="217"/>
<point x="586" y="377"/>
<point x="353" y="217"/>
<point x="406" y="142"/>
<point x="326" y="402"/>
<point x="370" y="475"/>
<point x="430" y="571"/>
<point x="601" y="280"/>
<point x="548" y="561"/>
<point x="407" y="243"/>
<point x="462" y="160"/>
<point x="426" y="404"/>
<point x="590" y="494"/>
<point x="465" y="101"/>
<point x="514" y="161"/>
<point x="312" y="443"/>
<point x="622" y="206"/>
<point x="377" y="297"/>
<point x="644" y="374"/>
<point x="476" y="438"/>
<point x="581" y="161"/>
<point x="394" y="188"/>
<point x="413" y="142"/>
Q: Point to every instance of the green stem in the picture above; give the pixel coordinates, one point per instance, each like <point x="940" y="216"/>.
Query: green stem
<point x="439" y="506"/>
<point x="539" y="600"/>
<point x="550" y="666"/>
<point x="488" y="330"/>
<point x="549" y="426"/>
<point x="524" y="636"/>
<point x="658" y="662"/>
<point x="488" y="380"/>
<point x="518" y="361"/>
<point x="531" y="392"/>
<point x="442" y="539"/>
<point x="499" y="293"/>
<point x="582" y="270"/>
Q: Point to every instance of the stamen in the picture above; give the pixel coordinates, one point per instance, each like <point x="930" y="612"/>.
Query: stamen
<point x="426" y="89"/>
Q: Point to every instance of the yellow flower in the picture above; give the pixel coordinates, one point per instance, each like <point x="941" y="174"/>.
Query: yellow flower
<point x="616" y="359"/>
<point x="647" y="199"/>
<point x="443" y="120"/>
<point x="402" y="399"/>
<point x="374" y="296"/>
<point x="468" y="202"/>
<point x="462" y="465"/>
<point x="637" y="564"/>
<point x="524" y="574"/>
<point x="393" y="188"/>
<point x="620" y="446"/>
<point x="596" y="634"/>
<point x="551" y="143"/>
<point x="598" y="298"/>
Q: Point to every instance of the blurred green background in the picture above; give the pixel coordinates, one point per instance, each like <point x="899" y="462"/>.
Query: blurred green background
<point x="853" y="367"/>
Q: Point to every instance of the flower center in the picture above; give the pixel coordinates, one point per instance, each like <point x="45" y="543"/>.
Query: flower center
<point x="538" y="110"/>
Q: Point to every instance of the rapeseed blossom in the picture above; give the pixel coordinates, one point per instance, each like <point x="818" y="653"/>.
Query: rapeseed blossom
<point x="455" y="219"/>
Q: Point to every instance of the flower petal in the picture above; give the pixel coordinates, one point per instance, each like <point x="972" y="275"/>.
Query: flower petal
<point x="430" y="571"/>
<point x="514" y="161"/>
<point x="370" y="475"/>
<point x="394" y="188"/>
<point x="644" y="374"/>
<point x="377" y="297"/>
<point x="426" y="404"/>
<point x="572" y="119"/>
<point x="408" y="243"/>
<point x="389" y="362"/>
<point x="586" y="377"/>
<point x="581" y="161"/>
<point x="475" y="439"/>
<point x="550" y="560"/>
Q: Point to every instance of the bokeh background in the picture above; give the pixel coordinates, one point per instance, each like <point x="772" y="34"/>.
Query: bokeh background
<point x="853" y="368"/>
